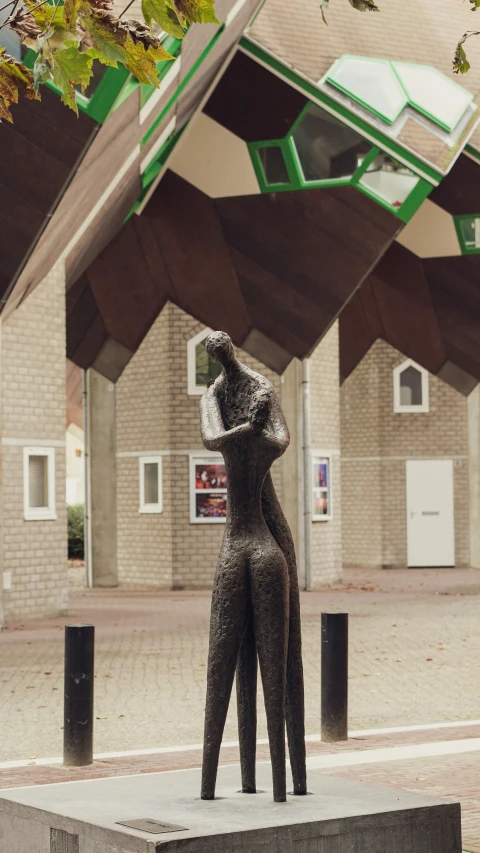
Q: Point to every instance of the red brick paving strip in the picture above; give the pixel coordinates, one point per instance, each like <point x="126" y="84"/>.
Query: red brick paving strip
<point x="454" y="776"/>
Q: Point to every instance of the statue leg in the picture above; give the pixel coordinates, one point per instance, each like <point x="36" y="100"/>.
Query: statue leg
<point x="227" y="625"/>
<point x="295" y="700"/>
<point x="270" y="604"/>
<point x="246" y="678"/>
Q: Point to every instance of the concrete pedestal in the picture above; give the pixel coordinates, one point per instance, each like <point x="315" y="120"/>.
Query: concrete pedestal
<point x="340" y="816"/>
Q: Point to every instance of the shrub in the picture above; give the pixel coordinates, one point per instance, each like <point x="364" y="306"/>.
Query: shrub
<point x="76" y="531"/>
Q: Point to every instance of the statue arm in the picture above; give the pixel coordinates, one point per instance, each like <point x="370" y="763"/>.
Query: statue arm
<point x="211" y="422"/>
<point x="277" y="426"/>
<point x="214" y="434"/>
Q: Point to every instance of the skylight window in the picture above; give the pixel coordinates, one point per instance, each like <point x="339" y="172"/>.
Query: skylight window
<point x="371" y="82"/>
<point x="385" y="88"/>
<point x="433" y="94"/>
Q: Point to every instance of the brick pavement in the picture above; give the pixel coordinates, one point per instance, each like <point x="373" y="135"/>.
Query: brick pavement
<point x="414" y="650"/>
<point x="408" y="632"/>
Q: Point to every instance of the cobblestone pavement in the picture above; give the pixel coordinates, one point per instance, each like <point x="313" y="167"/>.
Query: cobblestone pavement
<point x="414" y="652"/>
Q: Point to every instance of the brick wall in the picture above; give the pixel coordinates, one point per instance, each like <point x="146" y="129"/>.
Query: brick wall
<point x="156" y="413"/>
<point x="326" y="537"/>
<point x="376" y="442"/>
<point x="33" y="411"/>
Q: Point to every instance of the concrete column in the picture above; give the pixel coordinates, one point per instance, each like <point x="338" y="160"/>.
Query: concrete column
<point x="473" y="406"/>
<point x="102" y="480"/>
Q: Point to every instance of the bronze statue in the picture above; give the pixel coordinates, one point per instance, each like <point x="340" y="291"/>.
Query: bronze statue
<point x="255" y="601"/>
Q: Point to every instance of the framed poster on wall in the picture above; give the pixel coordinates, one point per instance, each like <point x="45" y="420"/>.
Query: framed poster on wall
<point x="208" y="490"/>
<point x="321" y="488"/>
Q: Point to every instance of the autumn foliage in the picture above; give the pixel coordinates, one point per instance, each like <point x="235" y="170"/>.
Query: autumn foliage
<point x="68" y="37"/>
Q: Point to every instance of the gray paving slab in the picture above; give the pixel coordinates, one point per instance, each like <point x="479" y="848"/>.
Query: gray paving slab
<point x="339" y="816"/>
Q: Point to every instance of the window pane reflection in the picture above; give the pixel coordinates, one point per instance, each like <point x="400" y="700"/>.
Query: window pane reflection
<point x="470" y="229"/>
<point x="327" y="149"/>
<point x="151" y="482"/>
<point x="273" y="164"/>
<point x="206" y="369"/>
<point x="411" y="387"/>
<point x="389" y="179"/>
<point x="38" y="481"/>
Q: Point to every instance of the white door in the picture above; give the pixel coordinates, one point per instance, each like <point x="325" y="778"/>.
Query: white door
<point x="430" y="524"/>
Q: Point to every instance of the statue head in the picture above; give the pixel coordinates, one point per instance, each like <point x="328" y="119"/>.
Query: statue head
<point x="219" y="347"/>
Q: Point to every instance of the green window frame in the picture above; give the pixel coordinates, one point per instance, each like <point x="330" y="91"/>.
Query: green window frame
<point x="297" y="181"/>
<point x="459" y="226"/>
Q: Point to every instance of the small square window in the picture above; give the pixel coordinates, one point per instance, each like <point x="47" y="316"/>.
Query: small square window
<point x="208" y="490"/>
<point x="410" y="388"/>
<point x="151" y="497"/>
<point x="389" y="180"/>
<point x="273" y="165"/>
<point x="202" y="369"/>
<point x="39" y="483"/>
<point x="321" y="488"/>
<point x="469" y="232"/>
<point x="327" y="149"/>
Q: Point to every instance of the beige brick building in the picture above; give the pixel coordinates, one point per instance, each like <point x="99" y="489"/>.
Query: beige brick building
<point x="377" y="443"/>
<point x="157" y="422"/>
<point x="33" y="549"/>
<point x="342" y="482"/>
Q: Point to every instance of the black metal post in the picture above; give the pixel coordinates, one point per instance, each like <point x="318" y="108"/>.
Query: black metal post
<point x="334" y="698"/>
<point x="78" y="708"/>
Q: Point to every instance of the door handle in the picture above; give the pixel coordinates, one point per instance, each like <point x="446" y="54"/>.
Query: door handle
<point x="435" y="512"/>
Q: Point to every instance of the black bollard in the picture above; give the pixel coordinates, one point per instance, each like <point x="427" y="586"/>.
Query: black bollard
<point x="334" y="699"/>
<point x="78" y="708"/>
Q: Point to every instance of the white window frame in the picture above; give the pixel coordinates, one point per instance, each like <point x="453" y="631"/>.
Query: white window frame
<point x="205" y="459"/>
<point x="322" y="456"/>
<point x="397" y="406"/>
<point x="193" y="388"/>
<point x="144" y="507"/>
<point x="39" y="513"/>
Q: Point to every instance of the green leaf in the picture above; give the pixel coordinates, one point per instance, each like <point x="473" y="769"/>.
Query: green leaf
<point x="48" y="16"/>
<point x="197" y="11"/>
<point x="323" y="9"/>
<point x="70" y="10"/>
<point x="41" y="71"/>
<point x="163" y="14"/>
<point x="475" y="5"/>
<point x="142" y="63"/>
<point x="69" y="69"/>
<point x="108" y="42"/>
<point x="364" y="5"/>
<point x="13" y="77"/>
<point x="460" y="62"/>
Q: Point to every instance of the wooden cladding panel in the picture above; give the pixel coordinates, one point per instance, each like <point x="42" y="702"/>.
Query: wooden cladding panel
<point x="95" y="239"/>
<point x="112" y="145"/>
<point x="128" y="299"/>
<point x="251" y="266"/>
<point x="38" y="155"/>
<point x="190" y="238"/>
<point x="189" y="100"/>
<point x="427" y="309"/>
<point x="405" y="307"/>
<point x="458" y="192"/>
<point x="355" y="333"/>
<point x="253" y="103"/>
